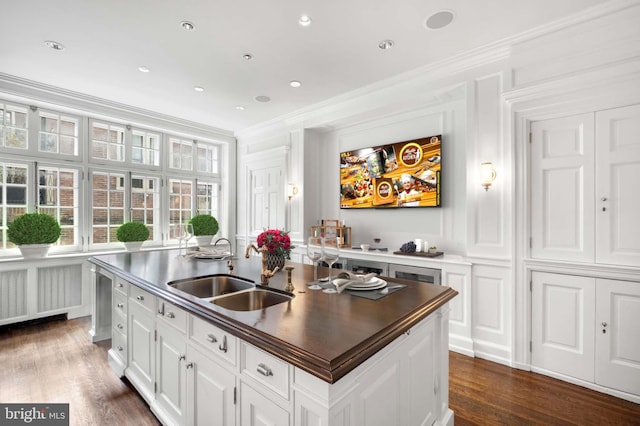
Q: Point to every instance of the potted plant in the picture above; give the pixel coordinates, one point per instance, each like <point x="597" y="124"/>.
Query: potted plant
<point x="277" y="247"/>
<point x="34" y="233"/>
<point x="132" y="234"/>
<point x="205" y="227"/>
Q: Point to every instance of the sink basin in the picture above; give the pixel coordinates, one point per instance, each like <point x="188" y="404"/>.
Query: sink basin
<point x="251" y="300"/>
<point x="212" y="285"/>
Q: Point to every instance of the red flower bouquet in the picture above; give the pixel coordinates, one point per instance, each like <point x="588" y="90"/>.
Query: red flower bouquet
<point x="277" y="242"/>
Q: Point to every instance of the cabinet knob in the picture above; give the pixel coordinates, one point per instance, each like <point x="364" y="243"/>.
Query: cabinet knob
<point x="182" y="357"/>
<point x="189" y="365"/>
<point x="223" y="347"/>
<point x="140" y="297"/>
<point x="120" y="305"/>
<point x="604" y="198"/>
<point x="211" y="338"/>
<point x="120" y="327"/>
<point x="120" y="348"/>
<point x="170" y="315"/>
<point x="264" y="370"/>
<point x="604" y="324"/>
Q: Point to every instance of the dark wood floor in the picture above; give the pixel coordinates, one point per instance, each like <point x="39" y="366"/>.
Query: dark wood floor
<point x="54" y="362"/>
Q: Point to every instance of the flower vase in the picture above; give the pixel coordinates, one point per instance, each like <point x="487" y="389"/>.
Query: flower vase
<point x="274" y="260"/>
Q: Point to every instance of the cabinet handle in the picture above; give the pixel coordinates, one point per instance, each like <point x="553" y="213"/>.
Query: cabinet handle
<point x="140" y="298"/>
<point x="212" y="338"/>
<point x="120" y="285"/>
<point x="182" y="357"/>
<point x="264" y="370"/>
<point x="170" y="315"/>
<point x="120" y="348"/>
<point x="161" y="309"/>
<point x="189" y="365"/>
<point x="120" y="305"/>
<point x="120" y="327"/>
<point x="604" y="198"/>
<point x="223" y="347"/>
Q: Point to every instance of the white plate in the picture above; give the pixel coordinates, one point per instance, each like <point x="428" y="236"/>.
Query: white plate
<point x="379" y="285"/>
<point x="373" y="282"/>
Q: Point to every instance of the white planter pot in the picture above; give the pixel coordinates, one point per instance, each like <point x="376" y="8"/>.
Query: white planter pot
<point x="34" y="251"/>
<point x="204" y="240"/>
<point x="133" y="245"/>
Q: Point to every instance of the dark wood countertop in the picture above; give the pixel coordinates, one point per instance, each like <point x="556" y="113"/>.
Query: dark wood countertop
<point x="327" y="335"/>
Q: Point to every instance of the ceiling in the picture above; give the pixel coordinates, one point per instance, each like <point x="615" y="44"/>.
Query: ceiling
<point x="106" y="41"/>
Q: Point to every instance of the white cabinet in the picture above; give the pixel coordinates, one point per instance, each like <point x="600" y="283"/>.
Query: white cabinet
<point x="141" y="344"/>
<point x="587" y="328"/>
<point x="258" y="410"/>
<point x="171" y="372"/>
<point x="585" y="181"/>
<point x="210" y="390"/>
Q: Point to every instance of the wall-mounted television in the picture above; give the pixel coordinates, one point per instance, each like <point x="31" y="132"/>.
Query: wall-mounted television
<point x="397" y="175"/>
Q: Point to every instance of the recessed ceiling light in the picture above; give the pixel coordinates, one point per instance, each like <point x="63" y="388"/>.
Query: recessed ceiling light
<point x="295" y="83"/>
<point x="247" y="56"/>
<point x="385" y="44"/>
<point x="239" y="107"/>
<point x="305" y="20"/>
<point x="143" y="69"/>
<point x="198" y="89"/>
<point x="189" y="26"/>
<point x="439" y="20"/>
<point x="54" y="45"/>
<point x="263" y="98"/>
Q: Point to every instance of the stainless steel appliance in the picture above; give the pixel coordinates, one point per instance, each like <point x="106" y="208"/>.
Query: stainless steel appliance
<point x="368" y="266"/>
<point x="421" y="274"/>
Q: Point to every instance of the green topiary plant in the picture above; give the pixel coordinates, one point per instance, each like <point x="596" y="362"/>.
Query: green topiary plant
<point x="132" y="231"/>
<point x="204" y="224"/>
<point x="33" y="228"/>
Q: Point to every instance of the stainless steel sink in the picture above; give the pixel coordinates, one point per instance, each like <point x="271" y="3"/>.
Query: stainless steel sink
<point x="212" y="285"/>
<point x="252" y="300"/>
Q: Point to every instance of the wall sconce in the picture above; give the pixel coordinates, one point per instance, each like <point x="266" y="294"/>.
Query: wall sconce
<point x="292" y="190"/>
<point x="487" y="175"/>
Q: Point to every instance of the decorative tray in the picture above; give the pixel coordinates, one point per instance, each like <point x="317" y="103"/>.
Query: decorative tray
<point x="421" y="254"/>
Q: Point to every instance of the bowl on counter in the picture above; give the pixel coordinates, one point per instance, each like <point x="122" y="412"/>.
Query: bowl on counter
<point x="365" y="247"/>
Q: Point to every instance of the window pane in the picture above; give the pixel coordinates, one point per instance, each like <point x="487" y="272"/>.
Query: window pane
<point x="58" y="135"/>
<point x="13" y="197"/>
<point x="13" y="126"/>
<point x="58" y="194"/>
<point x="107" y="203"/>
<point x="107" y="142"/>
<point x="181" y="154"/>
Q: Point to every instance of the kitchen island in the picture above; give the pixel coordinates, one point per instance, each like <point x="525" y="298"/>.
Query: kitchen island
<point x="316" y="358"/>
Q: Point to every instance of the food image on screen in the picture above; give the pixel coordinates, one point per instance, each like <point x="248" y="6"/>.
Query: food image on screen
<point x="397" y="175"/>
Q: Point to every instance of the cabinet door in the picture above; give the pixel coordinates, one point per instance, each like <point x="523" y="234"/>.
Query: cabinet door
<point x="618" y="186"/>
<point x="618" y="335"/>
<point x="141" y="345"/>
<point x="563" y="188"/>
<point x="171" y="353"/>
<point x="210" y="389"/>
<point x="258" y="410"/>
<point x="562" y="334"/>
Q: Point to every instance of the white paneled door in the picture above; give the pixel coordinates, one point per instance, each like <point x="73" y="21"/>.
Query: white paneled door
<point x="618" y="335"/>
<point x="563" y="188"/>
<point x="618" y="186"/>
<point x="267" y="208"/>
<point x="562" y="333"/>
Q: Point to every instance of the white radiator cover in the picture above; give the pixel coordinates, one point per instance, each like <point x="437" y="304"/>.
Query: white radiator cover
<point x="13" y="294"/>
<point x="59" y="287"/>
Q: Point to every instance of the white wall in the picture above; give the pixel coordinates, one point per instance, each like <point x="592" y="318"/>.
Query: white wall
<point x="480" y="103"/>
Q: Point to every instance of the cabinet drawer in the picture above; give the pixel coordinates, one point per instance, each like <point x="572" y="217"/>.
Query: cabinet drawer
<point x="119" y="322"/>
<point x="120" y="304"/>
<point x="173" y="315"/>
<point x="266" y="369"/>
<point x="121" y="286"/>
<point x="119" y="344"/>
<point x="214" y="339"/>
<point x="142" y="298"/>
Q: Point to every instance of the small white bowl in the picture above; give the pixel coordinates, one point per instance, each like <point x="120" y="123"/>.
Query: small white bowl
<point x="364" y="247"/>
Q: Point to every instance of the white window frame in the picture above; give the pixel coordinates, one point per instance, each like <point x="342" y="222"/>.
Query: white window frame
<point x="38" y="113"/>
<point x="28" y="165"/>
<point x="157" y="231"/>
<point x="14" y="106"/>
<point x="123" y="146"/>
<point x="111" y="243"/>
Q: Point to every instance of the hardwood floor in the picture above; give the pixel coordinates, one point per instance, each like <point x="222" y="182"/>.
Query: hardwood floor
<point x="55" y="362"/>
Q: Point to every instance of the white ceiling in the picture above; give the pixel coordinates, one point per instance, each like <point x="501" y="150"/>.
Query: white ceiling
<point x="107" y="40"/>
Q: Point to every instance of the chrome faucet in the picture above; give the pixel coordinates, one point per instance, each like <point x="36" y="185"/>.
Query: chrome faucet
<point x="227" y="240"/>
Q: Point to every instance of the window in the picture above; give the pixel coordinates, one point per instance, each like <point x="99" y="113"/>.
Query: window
<point x="107" y="206"/>
<point x="58" y="197"/>
<point x="180" y="154"/>
<point x="13" y="126"/>
<point x="145" y="148"/>
<point x="180" y="200"/>
<point x="13" y="196"/>
<point x="58" y="134"/>
<point x="207" y="157"/>
<point x="107" y="142"/>
<point x="207" y="198"/>
<point x="145" y="204"/>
